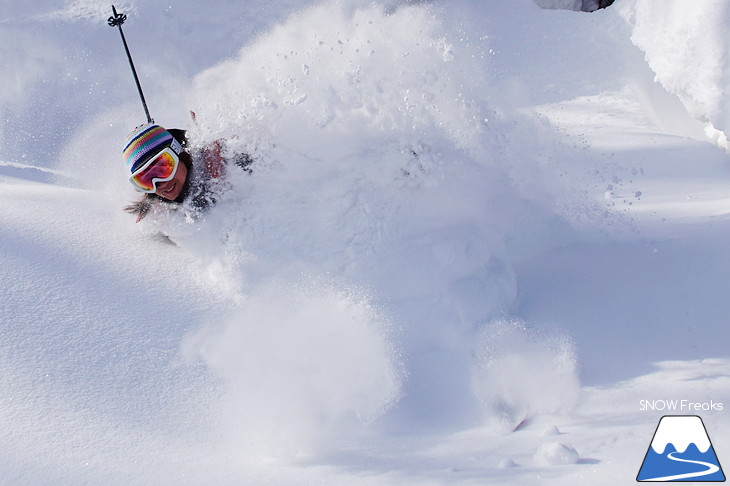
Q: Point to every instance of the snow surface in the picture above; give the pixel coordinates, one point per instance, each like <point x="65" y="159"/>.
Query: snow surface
<point x="478" y="238"/>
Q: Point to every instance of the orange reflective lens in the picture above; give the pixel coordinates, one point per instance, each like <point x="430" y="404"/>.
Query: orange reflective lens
<point x="160" y="168"/>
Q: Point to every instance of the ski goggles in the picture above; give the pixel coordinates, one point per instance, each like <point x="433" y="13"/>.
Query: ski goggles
<point x="160" y="168"/>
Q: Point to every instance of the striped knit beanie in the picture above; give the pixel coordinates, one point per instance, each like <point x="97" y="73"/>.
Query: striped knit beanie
<point x="144" y="142"/>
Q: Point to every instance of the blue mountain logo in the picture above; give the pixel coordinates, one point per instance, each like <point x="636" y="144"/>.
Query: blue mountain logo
<point x="681" y="451"/>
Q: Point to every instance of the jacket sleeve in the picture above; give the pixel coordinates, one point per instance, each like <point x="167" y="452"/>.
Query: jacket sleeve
<point x="213" y="160"/>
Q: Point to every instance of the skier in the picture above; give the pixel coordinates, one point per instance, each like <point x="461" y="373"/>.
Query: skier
<point x="161" y="164"/>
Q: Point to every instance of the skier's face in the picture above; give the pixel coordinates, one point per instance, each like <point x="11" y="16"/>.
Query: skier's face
<point x="171" y="189"/>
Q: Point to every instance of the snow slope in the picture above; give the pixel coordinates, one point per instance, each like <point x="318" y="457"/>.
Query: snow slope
<point x="477" y="238"/>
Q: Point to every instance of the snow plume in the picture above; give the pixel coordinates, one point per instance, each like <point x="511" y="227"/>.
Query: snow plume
<point x="373" y="162"/>
<point x="359" y="73"/>
<point x="521" y="373"/>
<point x="365" y="142"/>
<point x="686" y="46"/>
<point x="304" y="366"/>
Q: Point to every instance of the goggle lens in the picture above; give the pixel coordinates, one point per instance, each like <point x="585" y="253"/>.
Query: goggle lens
<point x="160" y="168"/>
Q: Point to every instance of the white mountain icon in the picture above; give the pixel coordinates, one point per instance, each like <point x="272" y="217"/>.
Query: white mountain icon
<point x="680" y="430"/>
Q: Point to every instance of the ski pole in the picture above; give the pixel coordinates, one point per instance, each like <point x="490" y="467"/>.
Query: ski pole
<point x="117" y="20"/>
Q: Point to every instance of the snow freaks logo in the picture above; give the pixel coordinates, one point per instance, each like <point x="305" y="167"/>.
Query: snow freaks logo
<point x="680" y="451"/>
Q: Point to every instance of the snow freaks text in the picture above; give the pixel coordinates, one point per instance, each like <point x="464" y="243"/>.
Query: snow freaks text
<point x="685" y="406"/>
